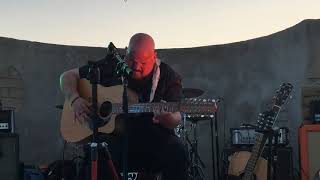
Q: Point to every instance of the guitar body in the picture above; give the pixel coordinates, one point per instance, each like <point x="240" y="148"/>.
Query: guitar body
<point x="72" y="130"/>
<point x="238" y="163"/>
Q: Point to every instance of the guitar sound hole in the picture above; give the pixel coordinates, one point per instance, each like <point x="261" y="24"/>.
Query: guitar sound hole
<point x="105" y="109"/>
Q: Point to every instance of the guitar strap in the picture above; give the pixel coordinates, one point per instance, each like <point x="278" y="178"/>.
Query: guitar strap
<point x="155" y="78"/>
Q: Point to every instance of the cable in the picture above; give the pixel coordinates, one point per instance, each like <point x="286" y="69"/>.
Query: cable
<point x="63" y="151"/>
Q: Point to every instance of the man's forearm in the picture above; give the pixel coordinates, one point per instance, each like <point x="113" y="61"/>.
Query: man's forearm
<point x="68" y="85"/>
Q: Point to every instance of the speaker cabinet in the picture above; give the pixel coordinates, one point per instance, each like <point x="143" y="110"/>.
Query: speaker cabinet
<point x="9" y="156"/>
<point x="284" y="164"/>
<point x="309" y="137"/>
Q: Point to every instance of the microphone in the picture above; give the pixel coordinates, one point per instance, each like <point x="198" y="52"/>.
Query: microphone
<point x="122" y="67"/>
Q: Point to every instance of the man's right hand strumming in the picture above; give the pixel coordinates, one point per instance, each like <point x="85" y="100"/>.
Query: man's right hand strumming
<point x="81" y="109"/>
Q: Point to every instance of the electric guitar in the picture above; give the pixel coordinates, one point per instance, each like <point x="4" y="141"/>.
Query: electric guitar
<point x="109" y="106"/>
<point x="249" y="166"/>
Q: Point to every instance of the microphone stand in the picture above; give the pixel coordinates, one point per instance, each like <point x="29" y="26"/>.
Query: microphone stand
<point x="216" y="135"/>
<point x="217" y="143"/>
<point x="123" y="70"/>
<point x="212" y="149"/>
<point x="94" y="77"/>
<point x="125" y="133"/>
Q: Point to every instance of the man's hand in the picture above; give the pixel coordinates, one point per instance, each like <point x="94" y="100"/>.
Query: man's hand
<point x="167" y="119"/>
<point x="81" y="109"/>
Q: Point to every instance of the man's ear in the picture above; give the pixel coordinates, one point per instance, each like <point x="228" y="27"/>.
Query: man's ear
<point x="155" y="55"/>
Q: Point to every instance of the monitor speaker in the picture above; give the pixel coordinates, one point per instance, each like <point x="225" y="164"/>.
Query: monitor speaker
<point x="9" y="156"/>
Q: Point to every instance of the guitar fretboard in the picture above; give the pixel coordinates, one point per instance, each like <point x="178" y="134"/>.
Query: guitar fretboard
<point x="258" y="148"/>
<point x="147" y="107"/>
<point x="158" y="107"/>
<point x="255" y="154"/>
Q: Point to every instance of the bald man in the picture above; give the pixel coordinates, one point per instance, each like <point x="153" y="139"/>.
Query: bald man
<point x="152" y="142"/>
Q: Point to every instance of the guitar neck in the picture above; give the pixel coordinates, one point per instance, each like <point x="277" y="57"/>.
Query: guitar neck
<point x="148" y="107"/>
<point x="258" y="148"/>
<point x="255" y="154"/>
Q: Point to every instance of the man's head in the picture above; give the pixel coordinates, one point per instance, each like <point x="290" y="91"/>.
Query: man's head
<point x="141" y="55"/>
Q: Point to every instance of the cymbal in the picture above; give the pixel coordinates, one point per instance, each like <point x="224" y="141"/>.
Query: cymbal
<point x="191" y="92"/>
<point x="59" y="106"/>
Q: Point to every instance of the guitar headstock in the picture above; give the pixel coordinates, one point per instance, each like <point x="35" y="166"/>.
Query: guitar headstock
<point x="267" y="119"/>
<point x="198" y="106"/>
<point x="282" y="94"/>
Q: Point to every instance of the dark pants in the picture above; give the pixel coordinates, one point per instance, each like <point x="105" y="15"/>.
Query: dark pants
<point x="151" y="148"/>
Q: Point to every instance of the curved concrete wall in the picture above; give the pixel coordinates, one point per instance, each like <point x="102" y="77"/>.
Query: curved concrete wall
<point x="243" y="74"/>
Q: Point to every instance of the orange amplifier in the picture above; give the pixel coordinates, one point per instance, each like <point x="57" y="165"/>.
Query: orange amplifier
<point x="309" y="140"/>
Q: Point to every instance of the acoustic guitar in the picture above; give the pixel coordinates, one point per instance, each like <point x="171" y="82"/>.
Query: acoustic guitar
<point x="249" y="165"/>
<point x="109" y="106"/>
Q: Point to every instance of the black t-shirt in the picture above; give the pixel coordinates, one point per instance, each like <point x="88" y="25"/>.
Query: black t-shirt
<point x="169" y="87"/>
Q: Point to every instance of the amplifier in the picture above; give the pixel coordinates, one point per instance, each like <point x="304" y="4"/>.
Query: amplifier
<point x="243" y="135"/>
<point x="6" y="121"/>
<point x="246" y="136"/>
<point x="309" y="145"/>
<point x="315" y="111"/>
<point x="9" y="156"/>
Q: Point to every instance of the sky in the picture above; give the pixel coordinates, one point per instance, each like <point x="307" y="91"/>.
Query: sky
<point x="172" y="23"/>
